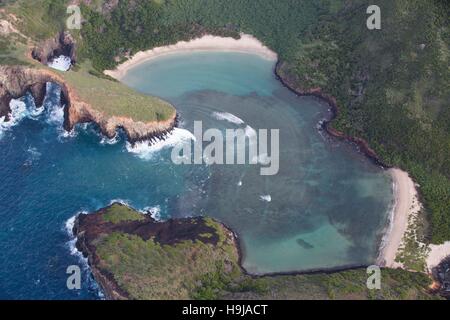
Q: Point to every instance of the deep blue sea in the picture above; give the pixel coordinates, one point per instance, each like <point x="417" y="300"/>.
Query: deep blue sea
<point x="326" y="208"/>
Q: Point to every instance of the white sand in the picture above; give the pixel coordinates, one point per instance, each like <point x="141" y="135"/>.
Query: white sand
<point x="406" y="203"/>
<point x="406" y="199"/>
<point x="437" y="254"/>
<point x="246" y="44"/>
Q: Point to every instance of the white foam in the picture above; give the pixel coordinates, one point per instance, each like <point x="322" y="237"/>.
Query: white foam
<point x="107" y="141"/>
<point x="250" y="132"/>
<point x="319" y="125"/>
<point x="55" y="111"/>
<point x="61" y="63"/>
<point x="267" y="198"/>
<point x="145" y="150"/>
<point x="72" y="243"/>
<point x="121" y="201"/>
<point x="226" y="116"/>
<point x="67" y="134"/>
<point x="19" y="111"/>
<point x="56" y="115"/>
<point x="239" y="183"/>
<point x="75" y="252"/>
<point x="36" y="112"/>
<point x="154" y="212"/>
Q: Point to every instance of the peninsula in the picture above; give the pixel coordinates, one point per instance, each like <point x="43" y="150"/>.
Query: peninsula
<point x="133" y="256"/>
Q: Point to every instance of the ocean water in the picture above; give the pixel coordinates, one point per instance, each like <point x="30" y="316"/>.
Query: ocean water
<point x="326" y="208"/>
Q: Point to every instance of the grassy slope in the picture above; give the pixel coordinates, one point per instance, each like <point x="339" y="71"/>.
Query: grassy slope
<point x="195" y="269"/>
<point x="116" y="214"/>
<point x="36" y="20"/>
<point x="391" y="90"/>
<point x="149" y="270"/>
<point x="115" y="99"/>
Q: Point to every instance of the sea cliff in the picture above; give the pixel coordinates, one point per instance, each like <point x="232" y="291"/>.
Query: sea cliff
<point x="16" y="81"/>
<point x="165" y="259"/>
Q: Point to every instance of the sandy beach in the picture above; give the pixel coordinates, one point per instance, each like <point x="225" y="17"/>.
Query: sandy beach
<point x="246" y="44"/>
<point x="437" y="254"/>
<point x="406" y="203"/>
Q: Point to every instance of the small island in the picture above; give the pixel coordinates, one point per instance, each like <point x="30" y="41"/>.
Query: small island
<point x="133" y="256"/>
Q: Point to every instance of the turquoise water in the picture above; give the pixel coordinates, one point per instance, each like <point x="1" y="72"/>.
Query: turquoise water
<point x="328" y="204"/>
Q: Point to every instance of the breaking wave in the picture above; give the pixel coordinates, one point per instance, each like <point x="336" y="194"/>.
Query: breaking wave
<point x="19" y="111"/>
<point x="267" y="198"/>
<point x="228" y="117"/>
<point x="121" y="201"/>
<point x="146" y="150"/>
<point x="154" y="212"/>
<point x="75" y="252"/>
<point x="107" y="141"/>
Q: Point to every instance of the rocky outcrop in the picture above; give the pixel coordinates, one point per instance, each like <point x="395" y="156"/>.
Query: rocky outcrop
<point x="90" y="229"/>
<point x="62" y="44"/>
<point x="441" y="276"/>
<point x="16" y="81"/>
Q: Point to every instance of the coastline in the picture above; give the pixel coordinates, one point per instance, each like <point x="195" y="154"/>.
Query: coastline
<point x="207" y="43"/>
<point x="406" y="209"/>
<point x="406" y="197"/>
<point x="15" y="81"/>
<point x="405" y="203"/>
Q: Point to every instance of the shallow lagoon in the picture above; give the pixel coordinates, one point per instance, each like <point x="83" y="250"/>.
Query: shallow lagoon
<point x="328" y="204"/>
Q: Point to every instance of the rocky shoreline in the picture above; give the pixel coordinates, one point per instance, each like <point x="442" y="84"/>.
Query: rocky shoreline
<point x="16" y="81"/>
<point x="89" y="229"/>
<point x="117" y="238"/>
<point x="290" y="83"/>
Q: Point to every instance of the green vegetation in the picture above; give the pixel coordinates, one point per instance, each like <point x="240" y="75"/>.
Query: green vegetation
<point x="199" y="269"/>
<point x="150" y="270"/>
<point x="117" y="213"/>
<point x="391" y="85"/>
<point x="41" y="20"/>
<point x="115" y="99"/>
<point x="413" y="252"/>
